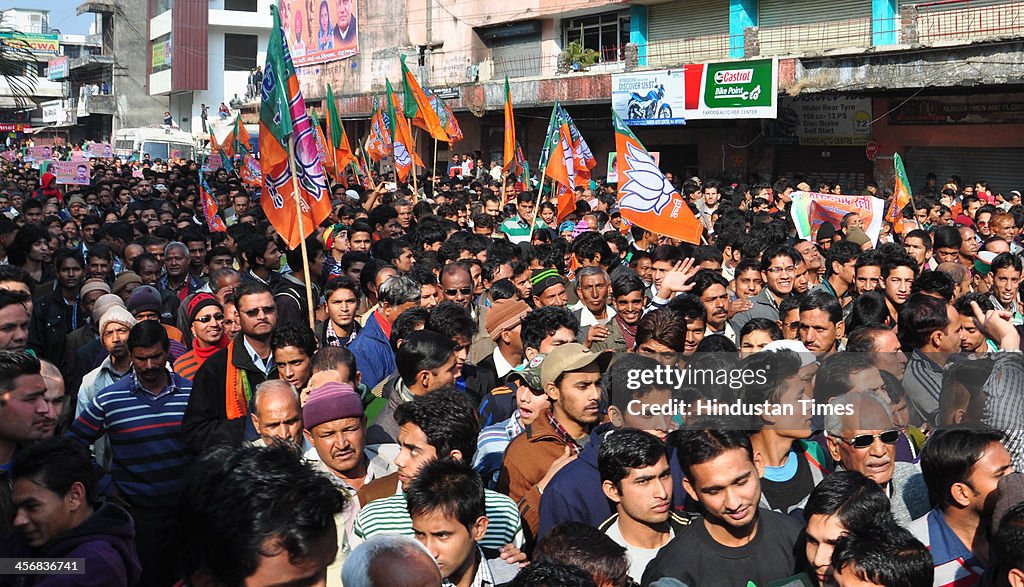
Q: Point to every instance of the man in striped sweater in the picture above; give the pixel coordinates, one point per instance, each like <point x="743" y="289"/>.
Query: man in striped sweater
<point x="141" y="415"/>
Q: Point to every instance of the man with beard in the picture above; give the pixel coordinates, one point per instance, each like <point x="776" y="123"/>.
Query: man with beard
<point x="277" y="415"/>
<point x="217" y="414"/>
<point x="1006" y="272"/>
<point x="962" y="469"/>
<point x="142" y="416"/>
<point x="571" y="377"/>
<point x="735" y="542"/>
<point x="713" y="291"/>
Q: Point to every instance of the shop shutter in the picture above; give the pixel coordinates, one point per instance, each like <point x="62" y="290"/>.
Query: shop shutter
<point x="1001" y="168"/>
<point x="516" y="57"/>
<point x="686" y="31"/>
<point x="786" y="26"/>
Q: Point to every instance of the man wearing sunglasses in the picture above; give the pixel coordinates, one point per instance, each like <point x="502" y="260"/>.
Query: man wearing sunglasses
<point x="457" y="286"/>
<point x="219" y="412"/>
<point x="864" y="440"/>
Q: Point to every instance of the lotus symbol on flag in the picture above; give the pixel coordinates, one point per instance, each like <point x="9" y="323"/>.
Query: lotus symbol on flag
<point x="646" y="188"/>
<point x="402" y="158"/>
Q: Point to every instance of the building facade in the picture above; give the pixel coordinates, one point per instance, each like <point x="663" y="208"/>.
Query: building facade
<point x="939" y="82"/>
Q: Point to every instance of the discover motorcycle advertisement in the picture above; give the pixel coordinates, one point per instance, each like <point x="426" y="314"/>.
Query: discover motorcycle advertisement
<point x="649" y="98"/>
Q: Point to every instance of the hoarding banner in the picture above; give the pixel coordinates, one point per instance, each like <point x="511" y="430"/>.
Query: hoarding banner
<point x="57" y="69"/>
<point x="723" y="91"/>
<point x="328" y="34"/>
<point x="650" y="98"/>
<point x="71" y="172"/>
<point x="821" y="120"/>
<point x="48" y="43"/>
<point x="162" y="54"/>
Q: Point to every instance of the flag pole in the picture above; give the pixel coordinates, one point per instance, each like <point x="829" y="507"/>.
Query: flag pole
<point x="433" y="172"/>
<point x="299" y="204"/>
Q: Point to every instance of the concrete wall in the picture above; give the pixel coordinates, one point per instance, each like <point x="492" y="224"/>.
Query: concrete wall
<point x="135" y="107"/>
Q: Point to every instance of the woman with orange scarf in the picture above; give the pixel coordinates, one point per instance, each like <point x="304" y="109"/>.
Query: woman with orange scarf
<point x="206" y="317"/>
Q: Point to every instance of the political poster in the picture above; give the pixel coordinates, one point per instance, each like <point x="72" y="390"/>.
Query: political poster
<point x="9" y="156"/>
<point x="612" y="175"/>
<point x="213" y="162"/>
<point x="101" y="150"/>
<point x="320" y="32"/>
<point x="811" y="209"/>
<point x="71" y="172"/>
<point x="650" y="98"/>
<point x="40" y="153"/>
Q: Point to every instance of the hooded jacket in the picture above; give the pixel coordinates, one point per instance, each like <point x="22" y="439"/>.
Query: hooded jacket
<point x="106" y="540"/>
<point x="48" y="188"/>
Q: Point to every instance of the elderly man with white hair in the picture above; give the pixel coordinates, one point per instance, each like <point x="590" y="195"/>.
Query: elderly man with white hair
<point x="388" y="560"/>
<point x="861" y="437"/>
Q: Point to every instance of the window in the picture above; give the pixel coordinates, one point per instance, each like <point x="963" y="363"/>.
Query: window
<point x="605" y="33"/>
<point x="240" y="5"/>
<point x="239" y="52"/>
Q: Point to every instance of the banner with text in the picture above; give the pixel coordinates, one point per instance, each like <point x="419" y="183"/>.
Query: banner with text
<point x="728" y="90"/>
<point x="811" y="209"/>
<point x="101" y="150"/>
<point x="821" y="120"/>
<point x="650" y="98"/>
<point x="71" y="172"/>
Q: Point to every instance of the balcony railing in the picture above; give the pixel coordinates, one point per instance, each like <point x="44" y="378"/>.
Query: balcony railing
<point x="967" y="20"/>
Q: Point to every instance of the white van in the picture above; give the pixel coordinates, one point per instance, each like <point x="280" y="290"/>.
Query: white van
<point x="158" y="142"/>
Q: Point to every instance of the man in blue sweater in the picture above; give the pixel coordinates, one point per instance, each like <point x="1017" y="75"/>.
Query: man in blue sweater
<point x="141" y="415"/>
<point x="374" y="356"/>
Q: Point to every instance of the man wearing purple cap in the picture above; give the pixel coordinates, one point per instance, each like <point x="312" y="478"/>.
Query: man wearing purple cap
<point x="335" y="424"/>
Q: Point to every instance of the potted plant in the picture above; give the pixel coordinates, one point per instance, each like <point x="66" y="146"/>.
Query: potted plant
<point x="576" y="58"/>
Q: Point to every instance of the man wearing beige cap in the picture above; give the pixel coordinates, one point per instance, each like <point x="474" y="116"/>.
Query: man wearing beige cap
<point x="92" y="289"/>
<point x="503" y="325"/>
<point x="571" y="376"/>
<point x="114" y="325"/>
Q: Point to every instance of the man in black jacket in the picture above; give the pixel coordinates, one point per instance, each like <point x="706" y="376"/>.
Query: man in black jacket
<point x="57" y="313"/>
<point x="218" y="410"/>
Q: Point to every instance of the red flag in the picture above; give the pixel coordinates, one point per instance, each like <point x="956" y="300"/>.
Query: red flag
<point x="210" y="209"/>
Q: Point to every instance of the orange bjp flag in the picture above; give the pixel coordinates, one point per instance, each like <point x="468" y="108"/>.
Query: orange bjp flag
<point x="646" y="198"/>
<point x="510" y="131"/>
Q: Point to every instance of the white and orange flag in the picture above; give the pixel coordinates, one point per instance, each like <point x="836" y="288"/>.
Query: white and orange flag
<point x="646" y="197"/>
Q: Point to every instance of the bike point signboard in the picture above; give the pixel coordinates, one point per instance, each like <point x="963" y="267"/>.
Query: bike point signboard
<point x="649" y="98"/>
<point x="710" y="91"/>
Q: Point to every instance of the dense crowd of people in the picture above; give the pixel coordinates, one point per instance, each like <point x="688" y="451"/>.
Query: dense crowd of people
<point x="485" y="394"/>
